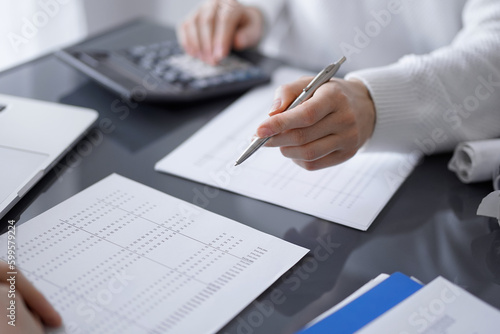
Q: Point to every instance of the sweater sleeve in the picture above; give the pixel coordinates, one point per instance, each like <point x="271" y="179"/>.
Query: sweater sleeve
<point x="431" y="102"/>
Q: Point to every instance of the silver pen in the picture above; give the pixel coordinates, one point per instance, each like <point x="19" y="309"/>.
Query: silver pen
<point x="322" y="77"/>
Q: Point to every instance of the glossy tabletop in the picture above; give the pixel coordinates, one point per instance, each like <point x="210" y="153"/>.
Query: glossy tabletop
<point x="429" y="228"/>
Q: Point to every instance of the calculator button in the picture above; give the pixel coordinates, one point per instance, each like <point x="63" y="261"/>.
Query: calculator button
<point x="215" y="81"/>
<point x="254" y="72"/>
<point x="138" y="51"/>
<point x="240" y="75"/>
<point x="160" y="68"/>
<point x="229" y="78"/>
<point x="171" y="76"/>
<point x="184" y="77"/>
<point x="158" y="72"/>
<point x="199" y="84"/>
<point x="147" y="64"/>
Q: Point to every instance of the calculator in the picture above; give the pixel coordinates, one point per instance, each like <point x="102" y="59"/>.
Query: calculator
<point x="163" y="72"/>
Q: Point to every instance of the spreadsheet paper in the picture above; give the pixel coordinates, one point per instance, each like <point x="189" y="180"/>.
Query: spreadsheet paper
<point x="120" y="257"/>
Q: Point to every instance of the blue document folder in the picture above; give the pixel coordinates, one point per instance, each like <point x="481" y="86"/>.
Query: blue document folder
<point x="367" y="307"/>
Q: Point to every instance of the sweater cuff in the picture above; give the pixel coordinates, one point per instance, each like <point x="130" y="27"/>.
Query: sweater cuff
<point x="396" y="103"/>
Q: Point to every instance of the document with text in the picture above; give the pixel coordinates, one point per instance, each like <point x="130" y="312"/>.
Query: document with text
<point x="351" y="194"/>
<point x="120" y="257"/>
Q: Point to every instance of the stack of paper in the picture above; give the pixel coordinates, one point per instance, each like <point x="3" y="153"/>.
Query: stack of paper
<point x="399" y="304"/>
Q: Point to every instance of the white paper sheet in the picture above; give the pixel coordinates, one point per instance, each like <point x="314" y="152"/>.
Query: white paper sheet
<point x="440" y="307"/>
<point x="351" y="194"/>
<point x="120" y="257"/>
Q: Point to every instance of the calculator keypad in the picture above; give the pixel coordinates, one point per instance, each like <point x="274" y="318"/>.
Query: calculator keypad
<point x="168" y="62"/>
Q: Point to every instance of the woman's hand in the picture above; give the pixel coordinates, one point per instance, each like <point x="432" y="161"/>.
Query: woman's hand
<point x="325" y="130"/>
<point x="219" y="25"/>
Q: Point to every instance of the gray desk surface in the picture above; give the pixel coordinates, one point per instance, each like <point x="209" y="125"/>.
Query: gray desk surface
<point x="429" y="228"/>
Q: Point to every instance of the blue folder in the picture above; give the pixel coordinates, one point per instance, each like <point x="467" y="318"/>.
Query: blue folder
<point x="367" y="307"/>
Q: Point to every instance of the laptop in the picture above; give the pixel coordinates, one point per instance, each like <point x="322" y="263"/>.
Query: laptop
<point x="34" y="135"/>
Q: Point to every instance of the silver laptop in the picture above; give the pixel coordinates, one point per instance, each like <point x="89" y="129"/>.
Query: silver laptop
<point x="34" y="135"/>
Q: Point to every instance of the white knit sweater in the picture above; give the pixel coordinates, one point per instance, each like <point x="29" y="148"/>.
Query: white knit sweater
<point x="432" y="67"/>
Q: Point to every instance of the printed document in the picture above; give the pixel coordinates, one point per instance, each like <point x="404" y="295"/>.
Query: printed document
<point x="440" y="307"/>
<point x="120" y="257"/>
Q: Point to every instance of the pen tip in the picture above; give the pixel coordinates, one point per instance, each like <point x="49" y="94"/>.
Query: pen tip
<point x="236" y="164"/>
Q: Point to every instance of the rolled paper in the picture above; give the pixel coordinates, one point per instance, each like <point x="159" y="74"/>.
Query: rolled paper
<point x="476" y="161"/>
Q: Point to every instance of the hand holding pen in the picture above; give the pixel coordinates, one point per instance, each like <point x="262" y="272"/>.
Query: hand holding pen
<point x="326" y="129"/>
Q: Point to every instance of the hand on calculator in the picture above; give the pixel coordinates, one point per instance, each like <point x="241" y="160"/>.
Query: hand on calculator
<point x="217" y="26"/>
